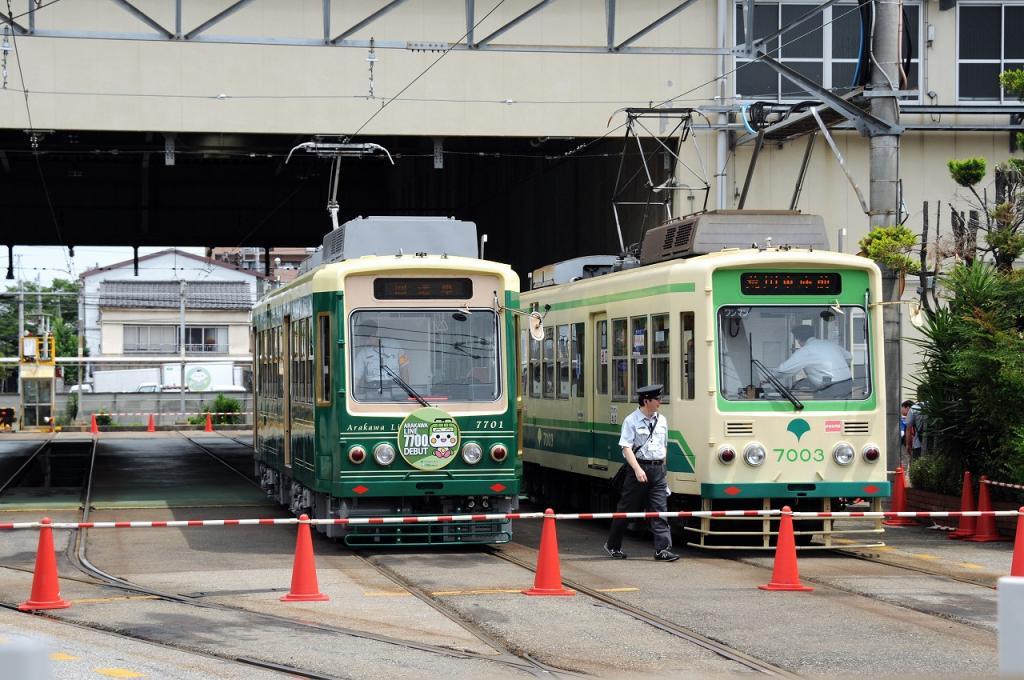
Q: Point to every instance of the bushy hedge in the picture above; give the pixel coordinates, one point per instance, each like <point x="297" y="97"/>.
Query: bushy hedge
<point x="972" y="380"/>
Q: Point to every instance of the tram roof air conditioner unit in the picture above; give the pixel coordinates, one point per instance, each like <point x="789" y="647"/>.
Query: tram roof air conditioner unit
<point x="585" y="267"/>
<point x="389" y="235"/>
<point x="711" y="232"/>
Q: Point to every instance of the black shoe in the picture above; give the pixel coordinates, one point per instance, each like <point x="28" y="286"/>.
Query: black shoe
<point x="615" y="554"/>
<point x="665" y="555"/>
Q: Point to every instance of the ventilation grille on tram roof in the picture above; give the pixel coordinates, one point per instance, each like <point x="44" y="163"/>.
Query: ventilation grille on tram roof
<point x="856" y="427"/>
<point x="714" y="231"/>
<point x="387" y="235"/>
<point x="739" y="429"/>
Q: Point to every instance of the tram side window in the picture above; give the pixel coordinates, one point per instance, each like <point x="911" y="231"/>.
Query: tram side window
<point x="659" y="354"/>
<point x="562" y="359"/>
<point x="601" y="355"/>
<point x="640" y="352"/>
<point x="549" y="363"/>
<point x="524" y="361"/>
<point x="323" y="358"/>
<point x="687" y="348"/>
<point x="577" y="353"/>
<point x="620" y="362"/>
<point x="534" y="368"/>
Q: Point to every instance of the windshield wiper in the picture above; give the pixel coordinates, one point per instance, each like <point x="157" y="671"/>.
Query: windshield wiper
<point x="777" y="384"/>
<point x="405" y="386"/>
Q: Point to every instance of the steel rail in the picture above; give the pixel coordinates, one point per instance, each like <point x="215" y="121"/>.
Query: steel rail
<point x="664" y="625"/>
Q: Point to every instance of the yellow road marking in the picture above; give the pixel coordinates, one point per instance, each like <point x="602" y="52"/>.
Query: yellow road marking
<point x="61" y="656"/>
<point x="386" y="593"/>
<point x="971" y="565"/>
<point x="98" y="600"/>
<point x="118" y="672"/>
<point x="925" y="556"/>
<point x="617" y="590"/>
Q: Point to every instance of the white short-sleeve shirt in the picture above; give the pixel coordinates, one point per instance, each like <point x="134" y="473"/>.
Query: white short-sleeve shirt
<point x="636" y="430"/>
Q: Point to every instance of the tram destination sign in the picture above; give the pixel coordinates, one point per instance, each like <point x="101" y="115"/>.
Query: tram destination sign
<point x="422" y="289"/>
<point x="790" y="283"/>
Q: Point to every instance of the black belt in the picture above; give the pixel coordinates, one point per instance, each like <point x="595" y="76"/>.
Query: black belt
<point x="643" y="461"/>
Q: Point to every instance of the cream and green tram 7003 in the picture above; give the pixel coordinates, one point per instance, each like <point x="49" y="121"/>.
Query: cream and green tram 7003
<point x="385" y="384"/>
<point x="712" y="323"/>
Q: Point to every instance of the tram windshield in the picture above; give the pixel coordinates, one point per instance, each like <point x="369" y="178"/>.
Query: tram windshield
<point x="806" y="352"/>
<point x="441" y="355"/>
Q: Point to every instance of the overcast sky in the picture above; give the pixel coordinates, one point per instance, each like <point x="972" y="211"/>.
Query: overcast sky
<point x="47" y="263"/>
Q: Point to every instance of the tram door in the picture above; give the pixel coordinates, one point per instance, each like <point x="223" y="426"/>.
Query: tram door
<point x="600" y="411"/>
<point x="286" y="388"/>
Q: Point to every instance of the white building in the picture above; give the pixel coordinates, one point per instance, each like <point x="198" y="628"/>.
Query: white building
<point x="129" y="312"/>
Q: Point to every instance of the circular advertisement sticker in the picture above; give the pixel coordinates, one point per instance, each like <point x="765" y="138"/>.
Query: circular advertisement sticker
<point x="428" y="438"/>
<point x="198" y="379"/>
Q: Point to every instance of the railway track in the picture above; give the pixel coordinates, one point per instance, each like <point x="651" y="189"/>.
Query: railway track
<point x="77" y="555"/>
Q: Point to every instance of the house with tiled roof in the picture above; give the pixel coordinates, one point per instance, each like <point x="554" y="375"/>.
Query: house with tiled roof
<point x="132" y="308"/>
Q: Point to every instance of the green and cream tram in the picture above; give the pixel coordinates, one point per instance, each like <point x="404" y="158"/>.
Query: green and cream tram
<point x="385" y="383"/>
<point x="709" y="311"/>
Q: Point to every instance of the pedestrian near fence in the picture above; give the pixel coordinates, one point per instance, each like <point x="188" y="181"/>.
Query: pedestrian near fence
<point x="644" y="442"/>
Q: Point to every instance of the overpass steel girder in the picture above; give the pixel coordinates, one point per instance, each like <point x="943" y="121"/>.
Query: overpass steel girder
<point x="202" y="34"/>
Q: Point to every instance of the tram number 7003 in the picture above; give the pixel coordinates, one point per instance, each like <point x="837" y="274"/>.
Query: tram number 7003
<point x="803" y="455"/>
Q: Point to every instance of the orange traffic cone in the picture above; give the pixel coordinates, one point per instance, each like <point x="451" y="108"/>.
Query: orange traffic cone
<point x="209" y="424"/>
<point x="45" y="585"/>
<point x="304" y="584"/>
<point x="786" y="575"/>
<point x="899" y="501"/>
<point x="1017" y="566"/>
<point x="151" y="427"/>
<point x="967" y="525"/>
<point x="548" y="580"/>
<point x="986" y="530"/>
<point x="93" y="429"/>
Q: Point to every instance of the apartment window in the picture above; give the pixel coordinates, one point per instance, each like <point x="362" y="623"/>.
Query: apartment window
<point x="150" y="339"/>
<point x="206" y="339"/>
<point x="987" y="45"/>
<point x="825" y="48"/>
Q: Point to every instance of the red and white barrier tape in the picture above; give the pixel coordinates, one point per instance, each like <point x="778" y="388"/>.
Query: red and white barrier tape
<point x="1003" y="484"/>
<point x="431" y="519"/>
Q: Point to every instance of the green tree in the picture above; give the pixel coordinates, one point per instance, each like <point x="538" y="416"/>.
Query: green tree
<point x="972" y="375"/>
<point x="1003" y="225"/>
<point x="60" y="309"/>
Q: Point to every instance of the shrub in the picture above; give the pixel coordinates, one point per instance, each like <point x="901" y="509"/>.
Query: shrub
<point x="967" y="172"/>
<point x="891" y="246"/>
<point x="221" y="405"/>
<point x="103" y="419"/>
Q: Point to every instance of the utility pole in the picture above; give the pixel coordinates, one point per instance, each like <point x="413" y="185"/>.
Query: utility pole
<point x="181" y="342"/>
<point x="81" y="347"/>
<point x="884" y="199"/>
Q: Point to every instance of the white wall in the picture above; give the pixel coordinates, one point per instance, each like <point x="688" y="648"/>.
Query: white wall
<point x="170" y="266"/>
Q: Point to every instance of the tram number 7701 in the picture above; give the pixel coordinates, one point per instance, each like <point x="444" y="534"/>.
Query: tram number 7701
<point x="489" y="424"/>
<point x="803" y="455"/>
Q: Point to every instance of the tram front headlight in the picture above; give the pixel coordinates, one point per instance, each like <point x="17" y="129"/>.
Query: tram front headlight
<point x="727" y="454"/>
<point x="472" y="453"/>
<point x="384" y="453"/>
<point x="843" y="453"/>
<point x="754" y="454"/>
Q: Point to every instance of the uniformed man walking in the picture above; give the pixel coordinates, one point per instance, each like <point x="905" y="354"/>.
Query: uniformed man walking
<point x="644" y="443"/>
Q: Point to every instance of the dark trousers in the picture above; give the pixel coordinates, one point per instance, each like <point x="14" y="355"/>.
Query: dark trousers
<point x="649" y="497"/>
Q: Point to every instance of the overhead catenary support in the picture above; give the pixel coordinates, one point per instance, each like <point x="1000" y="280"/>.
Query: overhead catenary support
<point x="522" y="17"/>
<point x="135" y="259"/>
<point x="327" y="22"/>
<point x="266" y="261"/>
<point x="144" y="18"/>
<point x="654" y="24"/>
<point x="367" y="21"/>
<point x="216" y="19"/>
<point x="10" y="262"/>
<point x="470" y="21"/>
<point x="6" y="18"/>
<point x="750" y="169"/>
<point x="839" y="157"/>
<point x="803" y="170"/>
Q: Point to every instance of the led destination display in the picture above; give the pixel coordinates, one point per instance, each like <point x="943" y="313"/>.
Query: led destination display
<point x="422" y="289"/>
<point x="790" y="283"/>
